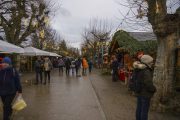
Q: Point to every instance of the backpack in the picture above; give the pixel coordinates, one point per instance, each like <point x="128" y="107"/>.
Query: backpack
<point x="135" y="84"/>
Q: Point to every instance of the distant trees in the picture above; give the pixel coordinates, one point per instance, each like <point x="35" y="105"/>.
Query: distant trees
<point x="94" y="35"/>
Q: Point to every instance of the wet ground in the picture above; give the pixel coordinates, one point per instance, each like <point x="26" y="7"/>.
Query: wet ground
<point x="91" y="97"/>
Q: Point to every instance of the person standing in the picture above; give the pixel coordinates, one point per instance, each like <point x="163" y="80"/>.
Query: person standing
<point x="38" y="70"/>
<point x="47" y="69"/>
<point x="115" y="66"/>
<point x="9" y="86"/>
<point x="143" y="87"/>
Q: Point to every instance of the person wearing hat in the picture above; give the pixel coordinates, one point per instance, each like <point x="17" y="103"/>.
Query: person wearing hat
<point x="144" y="88"/>
<point x="9" y="86"/>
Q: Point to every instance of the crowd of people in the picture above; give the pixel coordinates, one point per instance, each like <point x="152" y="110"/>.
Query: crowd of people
<point x="138" y="79"/>
<point x="45" y="65"/>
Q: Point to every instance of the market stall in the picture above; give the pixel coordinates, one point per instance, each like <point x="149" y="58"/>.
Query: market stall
<point x="31" y="51"/>
<point x="6" y="47"/>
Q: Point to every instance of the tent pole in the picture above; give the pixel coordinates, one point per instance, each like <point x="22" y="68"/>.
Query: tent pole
<point x="31" y="64"/>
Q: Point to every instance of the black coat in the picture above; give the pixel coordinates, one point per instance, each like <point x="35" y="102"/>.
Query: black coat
<point x="145" y="78"/>
<point x="9" y="81"/>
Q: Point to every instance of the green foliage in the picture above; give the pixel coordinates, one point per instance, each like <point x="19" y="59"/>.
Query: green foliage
<point x="149" y="46"/>
<point x="130" y="44"/>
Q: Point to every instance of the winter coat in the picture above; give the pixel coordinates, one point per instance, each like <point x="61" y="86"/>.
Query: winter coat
<point x="39" y="66"/>
<point x="145" y="76"/>
<point x="115" y="65"/>
<point x="9" y="81"/>
<point x="84" y="63"/>
<point x="78" y="63"/>
<point x="68" y="64"/>
<point x="48" y="65"/>
<point x="60" y="63"/>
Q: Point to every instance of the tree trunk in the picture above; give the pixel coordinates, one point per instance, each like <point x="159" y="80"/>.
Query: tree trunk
<point x="164" y="71"/>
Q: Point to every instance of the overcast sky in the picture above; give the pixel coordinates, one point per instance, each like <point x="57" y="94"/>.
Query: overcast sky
<point x="73" y="15"/>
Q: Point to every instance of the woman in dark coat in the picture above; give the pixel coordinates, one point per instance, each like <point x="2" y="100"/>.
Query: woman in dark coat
<point x="144" y="87"/>
<point x="9" y="86"/>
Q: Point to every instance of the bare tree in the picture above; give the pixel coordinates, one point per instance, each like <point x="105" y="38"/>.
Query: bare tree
<point x="97" y="31"/>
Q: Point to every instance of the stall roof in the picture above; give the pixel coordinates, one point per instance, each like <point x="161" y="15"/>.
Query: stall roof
<point x="54" y="54"/>
<point x="31" y="51"/>
<point x="6" y="47"/>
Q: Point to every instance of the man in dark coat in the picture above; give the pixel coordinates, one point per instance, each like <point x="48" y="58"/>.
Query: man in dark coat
<point x="115" y="66"/>
<point x="38" y="70"/>
<point x="9" y="86"/>
<point x="67" y="65"/>
<point x="144" y="86"/>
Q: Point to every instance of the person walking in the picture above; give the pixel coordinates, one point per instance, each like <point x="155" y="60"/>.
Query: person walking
<point x="60" y="65"/>
<point x="143" y="85"/>
<point x="78" y="66"/>
<point x="85" y="66"/>
<point x="67" y="65"/>
<point x="73" y="66"/>
<point x="9" y="86"/>
<point x="39" y="70"/>
<point x="47" y="69"/>
<point x="90" y="64"/>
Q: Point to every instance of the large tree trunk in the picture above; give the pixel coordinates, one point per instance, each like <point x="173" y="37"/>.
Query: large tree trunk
<point x="164" y="71"/>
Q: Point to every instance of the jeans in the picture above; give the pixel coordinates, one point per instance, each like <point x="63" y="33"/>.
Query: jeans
<point x="142" y="109"/>
<point x="115" y="75"/>
<point x="60" y="69"/>
<point x="84" y="71"/>
<point x="38" y="74"/>
<point x="47" y="74"/>
<point x="7" y="108"/>
<point x="67" y="70"/>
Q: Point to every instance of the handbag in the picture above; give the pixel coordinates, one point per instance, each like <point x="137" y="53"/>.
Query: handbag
<point x="19" y="103"/>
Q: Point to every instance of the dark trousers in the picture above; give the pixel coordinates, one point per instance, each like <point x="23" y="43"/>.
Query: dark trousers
<point x="77" y="71"/>
<point x="84" y="71"/>
<point x="67" y="71"/>
<point x="115" y="75"/>
<point x="38" y="74"/>
<point x="47" y="74"/>
<point x="90" y="69"/>
<point x="7" y="108"/>
<point x="142" y="109"/>
<point x="61" y="69"/>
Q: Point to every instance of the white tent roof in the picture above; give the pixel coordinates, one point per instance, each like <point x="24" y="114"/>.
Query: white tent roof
<point x="6" y="47"/>
<point x="31" y="51"/>
<point x="55" y="54"/>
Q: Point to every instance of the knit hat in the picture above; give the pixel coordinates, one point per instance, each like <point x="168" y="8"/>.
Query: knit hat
<point x="146" y="59"/>
<point x="7" y="60"/>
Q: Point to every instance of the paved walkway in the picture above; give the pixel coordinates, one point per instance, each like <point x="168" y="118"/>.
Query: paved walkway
<point x="117" y="102"/>
<point x="92" y="97"/>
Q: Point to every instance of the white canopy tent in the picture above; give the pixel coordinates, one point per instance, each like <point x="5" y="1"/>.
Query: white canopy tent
<point x="54" y="54"/>
<point x="6" y="47"/>
<point x="31" y="51"/>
